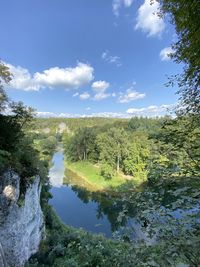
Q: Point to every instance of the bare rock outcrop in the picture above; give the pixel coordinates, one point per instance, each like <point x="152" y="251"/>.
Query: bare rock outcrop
<point x="21" y="226"/>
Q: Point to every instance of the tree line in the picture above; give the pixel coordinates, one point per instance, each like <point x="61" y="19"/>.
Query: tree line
<point x="141" y="147"/>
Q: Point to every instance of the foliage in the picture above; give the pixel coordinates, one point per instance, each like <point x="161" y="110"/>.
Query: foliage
<point x="4" y="158"/>
<point x="137" y="155"/>
<point x="125" y="150"/>
<point x="65" y="245"/>
<point x="168" y="204"/>
<point x="111" y="146"/>
<point x="82" y="145"/>
<point x="5" y="77"/>
<point x="149" y="125"/>
<point x="177" y="149"/>
<point x="177" y="244"/>
<point x="73" y="124"/>
<point x="185" y="15"/>
<point x="46" y="145"/>
<point x="17" y="152"/>
<point x="106" y="171"/>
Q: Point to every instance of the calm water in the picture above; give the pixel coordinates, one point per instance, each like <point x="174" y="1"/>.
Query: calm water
<point x="70" y="207"/>
<point x="94" y="212"/>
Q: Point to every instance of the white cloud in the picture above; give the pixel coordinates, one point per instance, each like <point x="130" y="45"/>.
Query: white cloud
<point x="114" y="94"/>
<point x="46" y="114"/>
<point x="76" y="94"/>
<point x="151" y="110"/>
<point x="109" y="115"/>
<point x="100" y="86"/>
<point x="130" y="95"/>
<point x="66" y="78"/>
<point x="88" y="108"/>
<point x="22" y="79"/>
<point x="101" y="96"/>
<point x="117" y="4"/>
<point x="84" y="96"/>
<point x="106" y="56"/>
<point x="148" y="20"/>
<point x="165" y="53"/>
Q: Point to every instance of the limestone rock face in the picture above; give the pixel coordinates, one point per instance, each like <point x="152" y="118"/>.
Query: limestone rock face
<point x="3" y="262"/>
<point x="21" y="226"/>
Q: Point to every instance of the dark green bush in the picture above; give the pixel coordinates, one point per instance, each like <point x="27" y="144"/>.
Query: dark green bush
<point x="106" y="171"/>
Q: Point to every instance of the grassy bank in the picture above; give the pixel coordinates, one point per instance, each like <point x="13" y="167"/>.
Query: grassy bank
<point x="90" y="176"/>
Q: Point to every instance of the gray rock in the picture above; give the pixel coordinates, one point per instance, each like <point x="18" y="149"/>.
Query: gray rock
<point x="21" y="227"/>
<point x="3" y="262"/>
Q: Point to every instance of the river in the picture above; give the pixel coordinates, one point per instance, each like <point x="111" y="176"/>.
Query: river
<point x="78" y="207"/>
<point x="99" y="212"/>
<point x="69" y="206"/>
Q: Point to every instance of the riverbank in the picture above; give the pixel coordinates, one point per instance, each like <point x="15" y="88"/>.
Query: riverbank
<point x="88" y="175"/>
<point x="68" y="246"/>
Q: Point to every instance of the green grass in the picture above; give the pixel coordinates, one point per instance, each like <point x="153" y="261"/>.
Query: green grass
<point x="91" y="175"/>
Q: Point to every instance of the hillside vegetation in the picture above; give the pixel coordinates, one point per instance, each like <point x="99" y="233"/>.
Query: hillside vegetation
<point x="152" y="164"/>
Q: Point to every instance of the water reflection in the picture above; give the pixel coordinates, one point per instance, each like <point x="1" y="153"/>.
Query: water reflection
<point x="118" y="211"/>
<point x="57" y="171"/>
<point x="78" y="205"/>
<point x="108" y="205"/>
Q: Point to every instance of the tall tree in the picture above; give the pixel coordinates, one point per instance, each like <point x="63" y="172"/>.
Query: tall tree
<point x="112" y="145"/>
<point x="185" y="15"/>
<point x="183" y="133"/>
<point x="137" y="154"/>
<point x="5" y="77"/>
<point x="82" y="144"/>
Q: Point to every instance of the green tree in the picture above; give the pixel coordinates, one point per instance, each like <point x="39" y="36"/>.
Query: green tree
<point x="178" y="141"/>
<point x="185" y="15"/>
<point x="5" y="77"/>
<point x="81" y="145"/>
<point x="16" y="148"/>
<point x="177" y="148"/>
<point x="112" y="146"/>
<point x="12" y="126"/>
<point x="106" y="171"/>
<point x="137" y="155"/>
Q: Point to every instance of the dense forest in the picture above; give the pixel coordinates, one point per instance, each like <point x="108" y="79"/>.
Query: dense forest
<point x="150" y="165"/>
<point x="153" y="166"/>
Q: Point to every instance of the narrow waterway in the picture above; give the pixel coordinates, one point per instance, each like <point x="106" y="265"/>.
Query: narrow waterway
<point x="68" y="204"/>
<point x="93" y="211"/>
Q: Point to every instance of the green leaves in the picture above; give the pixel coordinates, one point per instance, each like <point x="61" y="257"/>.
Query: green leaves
<point x="106" y="171"/>
<point x="81" y="145"/>
<point x="112" y="145"/>
<point x="185" y="15"/>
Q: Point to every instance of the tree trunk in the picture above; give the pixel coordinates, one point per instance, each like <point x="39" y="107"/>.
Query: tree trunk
<point x="118" y="156"/>
<point x="118" y="159"/>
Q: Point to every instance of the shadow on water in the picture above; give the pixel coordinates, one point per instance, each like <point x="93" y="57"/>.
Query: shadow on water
<point x="107" y="205"/>
<point x="78" y="205"/>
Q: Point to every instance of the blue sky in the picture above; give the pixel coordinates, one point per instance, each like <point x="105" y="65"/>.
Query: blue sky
<point x="94" y="57"/>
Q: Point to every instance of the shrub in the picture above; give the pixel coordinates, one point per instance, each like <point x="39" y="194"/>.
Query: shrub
<point x="106" y="171"/>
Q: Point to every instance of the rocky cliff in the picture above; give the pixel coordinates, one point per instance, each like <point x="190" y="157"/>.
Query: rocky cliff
<point x="21" y="226"/>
